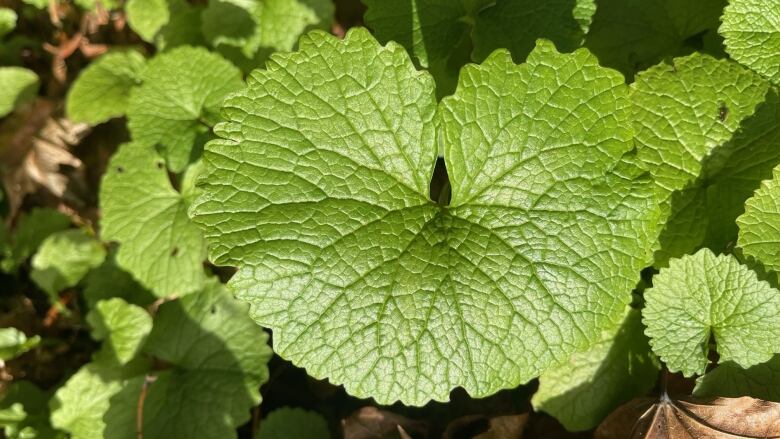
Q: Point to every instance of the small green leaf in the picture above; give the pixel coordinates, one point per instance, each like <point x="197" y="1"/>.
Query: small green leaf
<point x="583" y="391"/>
<point x="751" y="29"/>
<point x="122" y="327"/>
<point x="704" y="296"/>
<point x="80" y="405"/>
<point x="729" y="380"/>
<point x="296" y="423"/>
<point x="14" y="342"/>
<point x="24" y="412"/>
<point x="20" y="85"/>
<point x="102" y="90"/>
<point x="64" y="259"/>
<point x="318" y="190"/>
<point x="159" y="245"/>
<point x="7" y="21"/>
<point x="32" y="229"/>
<point x="632" y="35"/>
<point x="759" y="226"/>
<point x="147" y="17"/>
<point x="179" y="102"/>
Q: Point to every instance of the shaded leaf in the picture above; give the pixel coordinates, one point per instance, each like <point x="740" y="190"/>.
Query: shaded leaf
<point x="288" y="422"/>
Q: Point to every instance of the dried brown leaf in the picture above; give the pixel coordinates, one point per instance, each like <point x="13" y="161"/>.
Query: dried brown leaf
<point x="373" y="423"/>
<point x="712" y="418"/>
<point x="35" y="153"/>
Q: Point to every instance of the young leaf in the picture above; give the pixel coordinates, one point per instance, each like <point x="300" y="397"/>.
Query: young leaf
<point x="632" y="35"/>
<point x="102" y="89"/>
<point x="20" y="85"/>
<point x="32" y="229"/>
<point x="682" y="112"/>
<point x="159" y="245"/>
<point x="759" y="226"/>
<point x="64" y="259"/>
<point x="297" y="423"/>
<point x="123" y="328"/>
<point x="751" y="29"/>
<point x="728" y="379"/>
<point x="704" y="296"/>
<point x="318" y="191"/>
<point x="147" y="17"/>
<point x="7" y="21"/>
<point x="583" y="391"/>
<point x="14" y="342"/>
<point x="179" y="101"/>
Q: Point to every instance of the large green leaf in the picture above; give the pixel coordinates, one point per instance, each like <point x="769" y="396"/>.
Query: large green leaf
<point x="19" y="86"/>
<point x="703" y="296"/>
<point x="179" y="101"/>
<point x="632" y="35"/>
<point x="159" y="245"/>
<point x="64" y="259"/>
<point x="751" y="29"/>
<point x="318" y="191"/>
<point x="583" y="391"/>
<point x="682" y="113"/>
<point x="759" y="226"/>
<point x="102" y="89"/>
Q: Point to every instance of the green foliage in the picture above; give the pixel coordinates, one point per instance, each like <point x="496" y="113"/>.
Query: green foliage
<point x="159" y="245"/>
<point x="702" y="298"/>
<point x="632" y="35"/>
<point x="583" y="143"/>
<point x="583" y="391"/>
<point x="7" y="21"/>
<point x="751" y="29"/>
<point x="64" y="258"/>
<point x="122" y="326"/>
<point x="32" y="229"/>
<point x="102" y="90"/>
<point x="293" y="422"/>
<point x="19" y="86"/>
<point x="179" y="102"/>
<point x="410" y="274"/>
<point x="759" y="227"/>
<point x="14" y="342"/>
<point x="216" y="359"/>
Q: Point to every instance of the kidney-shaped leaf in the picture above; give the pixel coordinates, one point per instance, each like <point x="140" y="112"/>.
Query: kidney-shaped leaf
<point x="318" y="191"/>
<point x="705" y="295"/>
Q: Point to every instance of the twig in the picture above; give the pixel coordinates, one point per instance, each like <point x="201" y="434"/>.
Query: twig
<point x="139" y="413"/>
